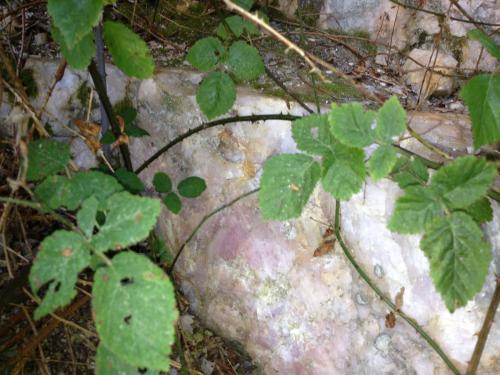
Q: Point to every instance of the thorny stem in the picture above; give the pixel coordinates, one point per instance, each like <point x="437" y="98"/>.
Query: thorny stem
<point x="485" y="330"/>
<point x="412" y="322"/>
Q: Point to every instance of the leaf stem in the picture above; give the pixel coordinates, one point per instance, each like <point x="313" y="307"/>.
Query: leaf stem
<point x="412" y="322"/>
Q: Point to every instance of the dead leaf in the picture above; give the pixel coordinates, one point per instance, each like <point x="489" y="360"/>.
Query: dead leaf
<point x="390" y="320"/>
<point x="327" y="244"/>
<point x="399" y="300"/>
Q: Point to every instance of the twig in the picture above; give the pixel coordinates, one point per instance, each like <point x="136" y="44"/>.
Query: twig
<point x="101" y="67"/>
<point x="205" y="218"/>
<point x="412" y="322"/>
<point x="485" y="330"/>
<point x="57" y="77"/>
<point x="209" y="125"/>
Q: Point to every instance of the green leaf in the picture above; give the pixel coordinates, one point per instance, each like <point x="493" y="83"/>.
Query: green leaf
<point x="245" y="4"/>
<point x="126" y="111"/>
<point x="216" y="94"/>
<point x="74" y="18"/>
<point x="391" y="120"/>
<point x="486" y="41"/>
<point x="80" y="55"/>
<point x="244" y="61"/>
<point x="46" y="157"/>
<point x="235" y="26"/>
<point x="206" y="53"/>
<point x="343" y="172"/>
<point x="312" y="135"/>
<point x="129" y="219"/>
<point x="130" y="53"/>
<point x="129" y="180"/>
<point x="459" y="258"/>
<point x="415" y="210"/>
<point x="108" y="363"/>
<point x="162" y="251"/>
<point x="108" y="138"/>
<point x="134" y="306"/>
<point x="464" y="181"/>
<point x="53" y="191"/>
<point x="62" y="256"/>
<point x="482" y="95"/>
<point x="191" y="187"/>
<point x="162" y="182"/>
<point x="135" y="131"/>
<point x="86" y="217"/>
<point x="173" y="202"/>
<point x="382" y="161"/>
<point x="351" y="125"/>
<point x="480" y="210"/>
<point x="286" y="185"/>
<point x="411" y="173"/>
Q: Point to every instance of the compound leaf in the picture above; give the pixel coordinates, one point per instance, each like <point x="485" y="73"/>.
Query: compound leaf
<point x="80" y="55"/>
<point x="173" y="202"/>
<point x="191" y="187"/>
<point x="351" y="125"/>
<point x="86" y="217"/>
<point x="134" y="306"/>
<point x="235" y="26"/>
<point x="130" y="53"/>
<point x="205" y="53"/>
<point x="129" y="180"/>
<point x="244" y="61"/>
<point x="216" y="94"/>
<point x="391" y="120"/>
<point x="480" y="210"/>
<point x="62" y="256"/>
<point x="312" y="135"/>
<point x="46" y="157"/>
<point x="382" y="161"/>
<point x="286" y="185"/>
<point x="129" y="219"/>
<point x="459" y="258"/>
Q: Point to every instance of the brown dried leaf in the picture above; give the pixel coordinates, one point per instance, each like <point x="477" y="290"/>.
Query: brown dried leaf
<point x="390" y="320"/>
<point x="400" y="298"/>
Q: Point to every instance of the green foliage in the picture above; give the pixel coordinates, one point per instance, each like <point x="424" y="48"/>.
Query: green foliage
<point x="235" y="26"/>
<point x="107" y="363"/>
<point x="391" y="121"/>
<point x="46" y="157"/>
<point x="134" y="306"/>
<point x="216" y="94"/>
<point x="351" y="125"/>
<point x="206" y="53"/>
<point x="382" y="161"/>
<point x="480" y="210"/>
<point x="410" y="172"/>
<point x="312" y="135"/>
<point x="86" y="217"/>
<point x="129" y="180"/>
<point x="82" y="52"/>
<point x="244" y="61"/>
<point x="486" y="41"/>
<point x="245" y="4"/>
<point x="162" y="182"/>
<point x="173" y="202"/>
<point x="130" y="53"/>
<point x="74" y="18"/>
<point x="459" y="258"/>
<point x="191" y="187"/>
<point x="286" y="185"/>
<point x="62" y="256"/>
<point x="482" y="96"/>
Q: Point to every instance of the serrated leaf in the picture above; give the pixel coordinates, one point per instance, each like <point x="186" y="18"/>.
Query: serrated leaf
<point x="244" y="61"/>
<point x="191" y="187"/>
<point x="53" y="191"/>
<point x="173" y="202"/>
<point x="74" y="18"/>
<point x="391" y="120"/>
<point x="286" y="185"/>
<point x="206" y="53"/>
<point x="129" y="219"/>
<point x="464" y="181"/>
<point x="130" y="53"/>
<point x="135" y="310"/>
<point x="162" y="182"/>
<point x="415" y="210"/>
<point x="86" y="217"/>
<point x="411" y="173"/>
<point x="343" y="172"/>
<point x="312" y="134"/>
<point x="235" y="26"/>
<point x="480" y="210"/>
<point x="80" y="55"/>
<point x="46" y="157"/>
<point x="459" y="258"/>
<point x="486" y="41"/>
<point x="351" y="125"/>
<point x="481" y="94"/>
<point x="382" y="161"/>
<point x="62" y="256"/>
<point x="107" y="363"/>
<point x="419" y="170"/>
<point x="216" y="94"/>
<point x="129" y="180"/>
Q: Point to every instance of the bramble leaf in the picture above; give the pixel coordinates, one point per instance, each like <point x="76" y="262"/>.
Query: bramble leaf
<point x="46" y="157"/>
<point x="135" y="310"/>
<point x="312" y="134"/>
<point x="62" y="256"/>
<point x="486" y="41"/>
<point x="129" y="52"/>
<point x="129" y="219"/>
<point x="86" y="217"/>
<point x="205" y="53"/>
<point x="107" y="363"/>
<point x="411" y="173"/>
<point x="481" y="94"/>
<point x="216" y="94"/>
<point x="391" y="120"/>
<point x="129" y="180"/>
<point x="173" y="202"/>
<point x="459" y="258"/>
<point x="244" y="61"/>
<point x="286" y="185"/>
<point x="235" y="26"/>
<point x="351" y="125"/>
<point x="80" y="55"/>
<point x="382" y="161"/>
<point x="162" y="182"/>
<point x="191" y="187"/>
<point x="480" y="210"/>
<point x="245" y="4"/>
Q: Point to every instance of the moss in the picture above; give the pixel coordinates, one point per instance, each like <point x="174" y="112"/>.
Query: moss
<point x="83" y="94"/>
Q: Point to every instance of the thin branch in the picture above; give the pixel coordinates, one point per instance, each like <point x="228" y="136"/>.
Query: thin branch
<point x="205" y="218"/>
<point x="485" y="330"/>
<point x="209" y="125"/>
<point x="412" y="322"/>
